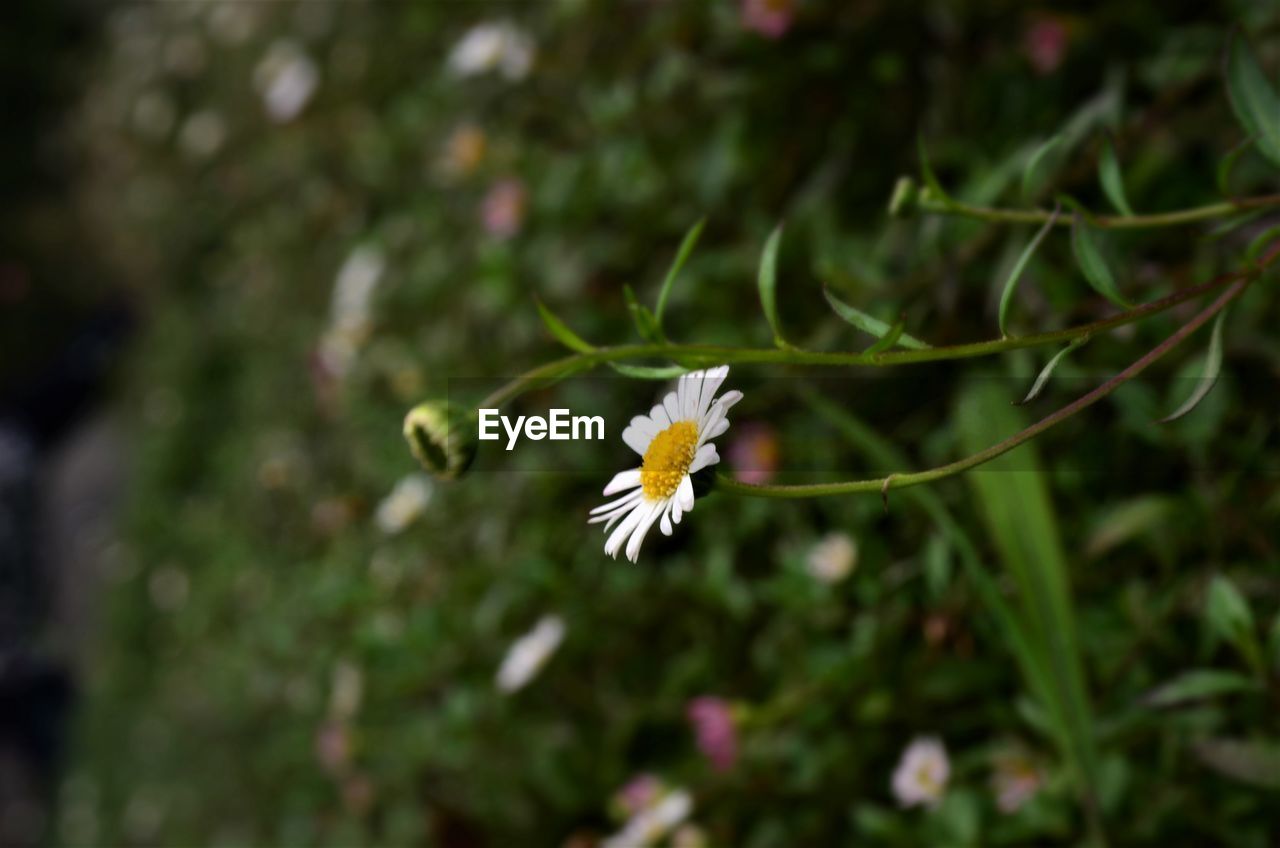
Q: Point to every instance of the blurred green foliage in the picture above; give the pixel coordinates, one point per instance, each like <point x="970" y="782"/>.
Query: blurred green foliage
<point x="280" y="669"/>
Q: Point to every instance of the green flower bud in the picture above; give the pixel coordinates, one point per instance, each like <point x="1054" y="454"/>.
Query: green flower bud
<point x="903" y="201"/>
<point x="442" y="437"/>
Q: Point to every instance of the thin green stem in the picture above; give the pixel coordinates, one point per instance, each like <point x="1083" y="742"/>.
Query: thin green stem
<point x="701" y="355"/>
<point x="1108" y="222"/>
<point x="897" y="481"/>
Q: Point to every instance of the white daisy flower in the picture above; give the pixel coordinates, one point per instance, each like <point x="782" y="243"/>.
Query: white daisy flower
<point x="407" y="501"/>
<point x="495" y="46"/>
<point x="922" y="773"/>
<point x="674" y="440"/>
<point x="529" y="654"/>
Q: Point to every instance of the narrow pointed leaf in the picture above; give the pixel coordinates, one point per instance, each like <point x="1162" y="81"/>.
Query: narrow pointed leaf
<point x="1011" y="284"/>
<point x="1042" y="379"/>
<point x="930" y="178"/>
<point x="869" y="323"/>
<point x="1208" y="377"/>
<point x="1264" y="239"/>
<point x="889" y="339"/>
<point x="1034" y="174"/>
<point x="1111" y="178"/>
<point x="1227" y="164"/>
<point x="646" y="324"/>
<point x="1094" y="267"/>
<point x="682" y="256"/>
<point x="1197" y="685"/>
<point x="561" y="331"/>
<point x="649" y="372"/>
<point x="768" y="284"/>
<point x="1254" y="100"/>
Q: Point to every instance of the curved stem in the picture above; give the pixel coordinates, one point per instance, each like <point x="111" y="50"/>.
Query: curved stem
<point x="901" y="480"/>
<point x="717" y="355"/>
<point x="1110" y="222"/>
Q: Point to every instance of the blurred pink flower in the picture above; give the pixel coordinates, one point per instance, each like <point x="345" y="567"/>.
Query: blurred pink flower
<point x="1016" y="780"/>
<point x="1045" y="43"/>
<point x="333" y="746"/>
<point x="504" y="207"/>
<point x="770" y="18"/>
<point x="753" y="453"/>
<point x="638" y="794"/>
<point x="713" y="725"/>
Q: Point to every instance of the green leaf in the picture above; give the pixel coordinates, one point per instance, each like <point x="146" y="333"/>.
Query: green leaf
<point x="1226" y="610"/>
<point x="1111" y="178"/>
<point x="682" y="256"/>
<point x="649" y="372"/>
<point x="768" y="284"/>
<point x="1011" y="284"/>
<point x="1208" y="376"/>
<point x="869" y="324"/>
<point x="1254" y="100"/>
<point x="1012" y="494"/>
<point x="1094" y="267"/>
<point x="1045" y="373"/>
<point x="1248" y="761"/>
<point x="1034" y="175"/>
<point x="561" y="331"/>
<point x="889" y="339"/>
<point x="1197" y="685"/>
<point x="1260" y="243"/>
<point x="1127" y="520"/>
<point x="930" y="178"/>
<point x="1227" y="164"/>
<point x="645" y="322"/>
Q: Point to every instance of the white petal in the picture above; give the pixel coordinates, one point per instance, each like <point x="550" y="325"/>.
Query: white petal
<point x="622" y="481"/>
<point x="705" y="456"/>
<point x="623" y="530"/>
<point x="684" y="399"/>
<point x="612" y="505"/>
<point x="710" y="385"/>
<point x="672" y="405"/>
<point x="709" y="422"/>
<point x="639" y="434"/>
<point x="716" y="430"/>
<point x="633" y="546"/>
<point x="684" y="494"/>
<point x="677" y="512"/>
<point x="728" y="399"/>
<point x="665" y="526"/>
<point x="621" y="511"/>
<point x="660" y="417"/>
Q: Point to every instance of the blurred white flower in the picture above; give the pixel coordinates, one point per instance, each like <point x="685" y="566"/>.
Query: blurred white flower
<point x="654" y="822"/>
<point x="231" y="24"/>
<point x="833" y="558"/>
<point x="154" y="114"/>
<point x="406" y="502"/>
<point x="528" y="654"/>
<point x="495" y="46"/>
<point x="286" y="78"/>
<point x="202" y="134"/>
<point x="674" y="441"/>
<point x="351" y="308"/>
<point x="346" y="690"/>
<point x="922" y="773"/>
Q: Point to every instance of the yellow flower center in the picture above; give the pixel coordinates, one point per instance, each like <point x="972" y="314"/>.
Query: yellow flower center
<point x="668" y="459"/>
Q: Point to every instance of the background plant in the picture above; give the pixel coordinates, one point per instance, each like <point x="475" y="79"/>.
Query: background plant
<point x="1119" y="625"/>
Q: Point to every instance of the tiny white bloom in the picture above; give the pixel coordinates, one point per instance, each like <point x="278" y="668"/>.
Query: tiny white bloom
<point x="406" y="502"/>
<point x="496" y="46"/>
<point x="202" y="134"/>
<point x="286" y="78"/>
<point x="528" y="654"/>
<point x="833" y="558"/>
<point x="674" y="440"/>
<point x="922" y="773"/>
<point x="652" y="823"/>
<point x="351" y="310"/>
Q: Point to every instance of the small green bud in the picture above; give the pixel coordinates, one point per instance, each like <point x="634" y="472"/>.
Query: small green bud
<point x="442" y="437"/>
<point x="903" y="201"/>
